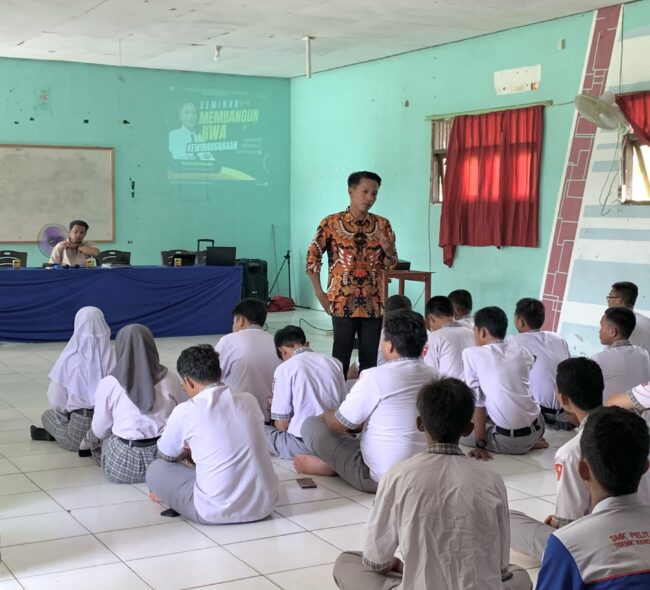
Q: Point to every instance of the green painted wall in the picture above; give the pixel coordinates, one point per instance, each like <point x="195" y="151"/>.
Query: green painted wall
<point x="161" y="215"/>
<point x="355" y="118"/>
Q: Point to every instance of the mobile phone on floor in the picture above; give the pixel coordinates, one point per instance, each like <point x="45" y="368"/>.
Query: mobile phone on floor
<point x="306" y="483"/>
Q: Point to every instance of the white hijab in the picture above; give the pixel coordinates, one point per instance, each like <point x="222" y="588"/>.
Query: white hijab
<point x="86" y="358"/>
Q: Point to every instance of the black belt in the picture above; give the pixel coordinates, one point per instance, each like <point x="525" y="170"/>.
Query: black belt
<point x="84" y="412"/>
<point x="518" y="431"/>
<point x="546" y="410"/>
<point x="144" y="442"/>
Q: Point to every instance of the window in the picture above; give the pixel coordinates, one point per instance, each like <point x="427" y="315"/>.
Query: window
<point x="440" y="131"/>
<point x="636" y="168"/>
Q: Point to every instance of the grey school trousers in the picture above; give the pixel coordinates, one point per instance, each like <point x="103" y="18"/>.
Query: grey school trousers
<point x="508" y="445"/>
<point x="342" y="452"/>
<point x="283" y="444"/>
<point x="527" y="535"/>
<point x="351" y="574"/>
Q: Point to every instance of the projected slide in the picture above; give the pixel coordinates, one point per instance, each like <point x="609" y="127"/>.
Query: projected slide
<point x="217" y="136"/>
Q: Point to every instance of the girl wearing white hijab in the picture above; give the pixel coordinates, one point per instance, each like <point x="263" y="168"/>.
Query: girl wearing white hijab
<point x="85" y="360"/>
<point x="131" y="407"/>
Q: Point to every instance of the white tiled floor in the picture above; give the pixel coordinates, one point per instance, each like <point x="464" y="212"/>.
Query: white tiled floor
<point x="63" y="526"/>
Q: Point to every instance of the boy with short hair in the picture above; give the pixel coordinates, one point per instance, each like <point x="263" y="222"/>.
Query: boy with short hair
<point x="610" y="548"/>
<point x="247" y="356"/>
<point x="506" y="419"/>
<point x="447" y="339"/>
<point x="304" y="385"/>
<point x="548" y="350"/>
<point x="447" y="514"/>
<point x="462" y="302"/>
<point x="233" y="480"/>
<point x="624" y="364"/>
<point x="624" y="294"/>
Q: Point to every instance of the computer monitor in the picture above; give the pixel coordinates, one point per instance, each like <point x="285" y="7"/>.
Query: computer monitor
<point x="220" y="256"/>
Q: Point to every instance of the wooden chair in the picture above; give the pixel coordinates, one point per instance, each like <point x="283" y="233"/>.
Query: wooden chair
<point x="7" y="258"/>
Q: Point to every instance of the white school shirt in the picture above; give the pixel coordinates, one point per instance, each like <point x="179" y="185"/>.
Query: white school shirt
<point x="248" y="360"/>
<point x="499" y="375"/>
<point x="641" y="334"/>
<point x="640" y="396"/>
<point x="624" y="366"/>
<point x="384" y="398"/>
<point x="444" y="349"/>
<point x="63" y="401"/>
<point x="549" y="350"/>
<point x="467" y="321"/>
<point x="235" y="481"/>
<point x="116" y="413"/>
<point x="306" y="385"/>
<point x="449" y="516"/>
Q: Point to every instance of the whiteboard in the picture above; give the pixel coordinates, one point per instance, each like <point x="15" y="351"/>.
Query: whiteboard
<point x="41" y="185"/>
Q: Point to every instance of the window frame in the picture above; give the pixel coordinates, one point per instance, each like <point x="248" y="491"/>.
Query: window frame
<point x="630" y="146"/>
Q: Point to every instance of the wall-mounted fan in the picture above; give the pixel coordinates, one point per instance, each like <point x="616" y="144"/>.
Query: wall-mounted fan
<point x="602" y="111"/>
<point x="49" y="236"/>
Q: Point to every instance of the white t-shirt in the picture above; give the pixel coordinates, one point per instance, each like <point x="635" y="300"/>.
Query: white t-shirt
<point x="444" y="349"/>
<point x="467" y="321"/>
<point x="641" y="334"/>
<point x="384" y="398"/>
<point x="235" y="481"/>
<point x="306" y="385"/>
<point x="624" y="366"/>
<point x="248" y="361"/>
<point x="499" y="375"/>
<point x="549" y="350"/>
<point x="116" y="413"/>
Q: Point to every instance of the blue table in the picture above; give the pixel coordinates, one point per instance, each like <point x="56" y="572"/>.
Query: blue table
<point x="39" y="305"/>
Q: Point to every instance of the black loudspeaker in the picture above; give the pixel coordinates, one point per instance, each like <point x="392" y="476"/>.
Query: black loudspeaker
<point x="255" y="282"/>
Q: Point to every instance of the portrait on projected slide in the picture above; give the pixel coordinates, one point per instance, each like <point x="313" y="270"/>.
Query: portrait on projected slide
<point x="183" y="141"/>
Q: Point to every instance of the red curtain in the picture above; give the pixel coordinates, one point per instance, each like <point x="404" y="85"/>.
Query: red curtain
<point x="636" y="108"/>
<point x="491" y="184"/>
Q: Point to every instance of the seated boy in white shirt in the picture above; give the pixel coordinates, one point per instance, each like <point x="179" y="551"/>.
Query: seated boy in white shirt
<point x="579" y="391"/>
<point x="624" y="364"/>
<point x="223" y="433"/>
<point x="304" y="385"/>
<point x="548" y="349"/>
<point x="462" y="302"/>
<point x="381" y="405"/>
<point x="247" y="356"/>
<point x="610" y="548"/>
<point x="447" y="339"/>
<point x="624" y="294"/>
<point x="506" y="419"/>
<point x="447" y="514"/>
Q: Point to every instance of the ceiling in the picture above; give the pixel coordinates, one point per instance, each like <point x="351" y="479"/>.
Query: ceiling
<point x="263" y="38"/>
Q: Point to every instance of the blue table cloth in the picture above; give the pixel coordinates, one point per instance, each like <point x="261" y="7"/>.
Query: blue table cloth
<point x="39" y="305"/>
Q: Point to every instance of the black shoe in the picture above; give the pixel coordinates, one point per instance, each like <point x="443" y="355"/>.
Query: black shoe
<point x="85" y="453"/>
<point x="40" y="434"/>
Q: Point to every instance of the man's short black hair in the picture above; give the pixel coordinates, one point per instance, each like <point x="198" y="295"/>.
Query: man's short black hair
<point x="461" y="300"/>
<point x="405" y="330"/>
<point x="290" y="336"/>
<point x="623" y="318"/>
<point x="627" y="291"/>
<point x="356" y="177"/>
<point x="494" y="320"/>
<point x="615" y="442"/>
<point x="446" y="408"/>
<point x="78" y="222"/>
<point x="200" y="363"/>
<point x="581" y="380"/>
<point x="439" y="306"/>
<point x="395" y="302"/>
<point x="531" y="311"/>
<point x="253" y="310"/>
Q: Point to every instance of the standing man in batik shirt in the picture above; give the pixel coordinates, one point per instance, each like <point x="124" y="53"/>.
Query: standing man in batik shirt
<point x="359" y="246"/>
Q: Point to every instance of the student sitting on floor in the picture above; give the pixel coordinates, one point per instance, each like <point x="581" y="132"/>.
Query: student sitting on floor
<point x="610" y="548"/>
<point x="381" y="405"/>
<point x="506" y="419"/>
<point x="447" y="339"/>
<point x="132" y="405"/>
<point x="305" y="384"/>
<point x="233" y="478"/>
<point x="624" y="294"/>
<point x="462" y="302"/>
<point x="548" y="350"/>
<point x="86" y="358"/>
<point x="624" y="364"/>
<point x="447" y="514"/>
<point x="247" y="356"/>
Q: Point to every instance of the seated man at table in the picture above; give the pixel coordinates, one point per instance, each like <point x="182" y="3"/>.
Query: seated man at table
<point x="248" y="357"/>
<point x="74" y="251"/>
<point x="381" y="405"/>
